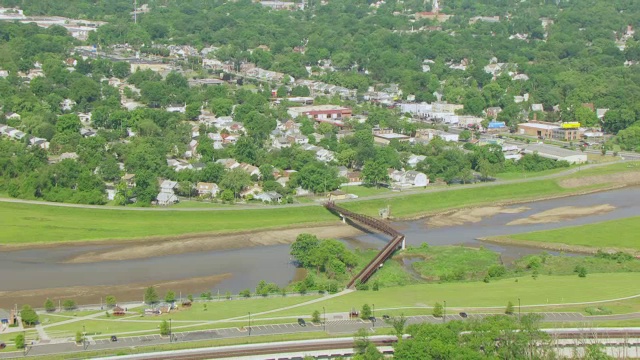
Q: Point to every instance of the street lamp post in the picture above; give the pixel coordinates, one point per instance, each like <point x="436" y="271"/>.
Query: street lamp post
<point x="444" y="315"/>
<point x="24" y="345"/>
<point x="170" y="332"/>
<point x="249" y="323"/>
<point x="519" y="313"/>
<point x="373" y="312"/>
<point x="84" y="337"/>
<point x="324" y="319"/>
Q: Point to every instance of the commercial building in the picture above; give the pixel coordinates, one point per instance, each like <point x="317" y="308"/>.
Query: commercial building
<point x="321" y="113"/>
<point x="538" y="129"/>
<point x="555" y="153"/>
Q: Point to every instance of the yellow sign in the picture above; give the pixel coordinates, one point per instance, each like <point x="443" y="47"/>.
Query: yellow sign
<point x="571" y="125"/>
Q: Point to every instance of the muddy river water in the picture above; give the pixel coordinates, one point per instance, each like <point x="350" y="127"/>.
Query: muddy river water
<point x="45" y="268"/>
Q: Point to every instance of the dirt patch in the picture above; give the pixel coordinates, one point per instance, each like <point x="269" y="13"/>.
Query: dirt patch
<point x="627" y="178"/>
<point x="93" y="294"/>
<point x="473" y="215"/>
<point x="184" y="244"/>
<point x="562" y="214"/>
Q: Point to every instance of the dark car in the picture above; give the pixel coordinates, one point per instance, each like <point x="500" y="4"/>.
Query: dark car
<point x="386" y="317"/>
<point x="2" y="346"/>
<point x="301" y="322"/>
<point x="372" y="318"/>
<point x="114" y="338"/>
<point x="463" y="315"/>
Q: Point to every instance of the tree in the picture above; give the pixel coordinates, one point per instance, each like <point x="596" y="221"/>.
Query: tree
<point x="303" y="247"/>
<point x="150" y="295"/>
<point x="79" y="337"/>
<point x="465" y="135"/>
<point x="28" y="315"/>
<point x="164" y="328"/>
<point x="399" y="324"/>
<point x="582" y="272"/>
<point x="315" y="317"/>
<point x="509" y="309"/>
<point x="235" y="180"/>
<point x="438" y="310"/>
<point x="361" y="341"/>
<point x="121" y="69"/>
<point x="375" y="172"/>
<point x="586" y="117"/>
<point x="69" y="304"/>
<point x="20" y="341"/>
<point x="69" y="123"/>
<point x="366" y="312"/>
<point x="49" y="306"/>
<point x="111" y="301"/>
<point x="170" y="297"/>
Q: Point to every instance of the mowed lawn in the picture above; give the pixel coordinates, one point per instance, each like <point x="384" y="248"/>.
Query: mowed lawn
<point x="623" y="233"/>
<point x="26" y="223"/>
<point x="544" y="290"/>
<point x="412" y="205"/>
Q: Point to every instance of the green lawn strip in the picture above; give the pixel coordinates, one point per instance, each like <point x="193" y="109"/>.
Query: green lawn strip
<point x="526" y="175"/>
<point x="52" y="318"/>
<point x="220" y="310"/>
<point x="621" y="233"/>
<point x="364" y="191"/>
<point x="9" y="338"/>
<point x="191" y="345"/>
<point x="200" y="204"/>
<point x="27" y="223"/>
<point x="623" y="167"/>
<point x="569" y="265"/>
<point x="544" y="290"/>
<point x="417" y="204"/>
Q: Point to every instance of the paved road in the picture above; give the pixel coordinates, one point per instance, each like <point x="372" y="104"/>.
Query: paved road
<point x="430" y="189"/>
<point x="333" y="326"/>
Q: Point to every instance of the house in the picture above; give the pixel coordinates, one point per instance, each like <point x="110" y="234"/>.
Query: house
<point x="385" y="136"/>
<point x="337" y="195"/>
<point x="415" y="159"/>
<point x="269" y="196"/>
<point x="166" y="195"/>
<point x="250" y="169"/>
<point x="69" y="155"/>
<point x="354" y="178"/>
<point x="493" y="112"/>
<point x="537" y="107"/>
<point x="129" y="179"/>
<point x="12" y="116"/>
<point x="67" y="104"/>
<point x="321" y="112"/>
<point x="118" y="311"/>
<point x="404" y="179"/>
<point x="207" y="189"/>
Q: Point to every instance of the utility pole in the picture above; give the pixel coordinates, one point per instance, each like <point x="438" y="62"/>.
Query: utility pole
<point x="444" y="315"/>
<point x="249" y="323"/>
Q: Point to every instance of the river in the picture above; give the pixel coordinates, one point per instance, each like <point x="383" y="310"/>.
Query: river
<point x="45" y="268"/>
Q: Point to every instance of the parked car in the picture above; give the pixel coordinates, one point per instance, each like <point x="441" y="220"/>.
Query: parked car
<point x="114" y="338"/>
<point x="2" y="346"/>
<point x="463" y="315"/>
<point x="372" y="318"/>
<point x="301" y="322"/>
<point x="386" y="317"/>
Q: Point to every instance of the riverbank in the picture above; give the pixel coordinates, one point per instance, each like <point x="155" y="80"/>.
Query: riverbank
<point x="139" y="249"/>
<point x="96" y="294"/>
<point x="608" y="236"/>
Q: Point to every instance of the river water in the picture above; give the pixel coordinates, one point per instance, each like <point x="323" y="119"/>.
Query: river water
<point x="44" y="268"/>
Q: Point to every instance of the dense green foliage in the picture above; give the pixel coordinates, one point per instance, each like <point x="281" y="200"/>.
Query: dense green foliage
<point x="496" y="337"/>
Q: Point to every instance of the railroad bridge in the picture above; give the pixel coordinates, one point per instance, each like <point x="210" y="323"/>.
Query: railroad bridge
<point x="397" y="240"/>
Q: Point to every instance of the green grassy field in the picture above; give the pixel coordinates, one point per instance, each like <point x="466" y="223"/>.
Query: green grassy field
<point x="623" y="167"/>
<point x="451" y="262"/>
<point x="416" y="204"/>
<point x="25" y="223"/>
<point x="621" y="233"/>
<point x="544" y="290"/>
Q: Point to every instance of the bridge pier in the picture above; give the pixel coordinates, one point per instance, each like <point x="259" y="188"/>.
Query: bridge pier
<point x="404" y="244"/>
<point x="344" y="219"/>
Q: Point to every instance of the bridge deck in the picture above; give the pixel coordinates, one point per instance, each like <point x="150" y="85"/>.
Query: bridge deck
<point x="383" y="227"/>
